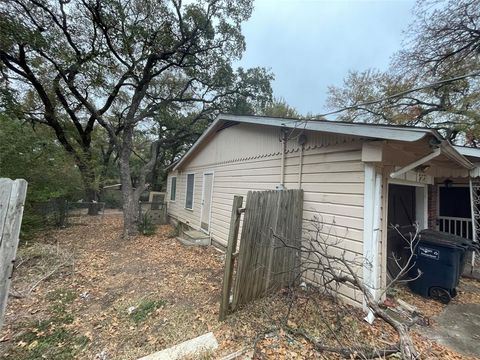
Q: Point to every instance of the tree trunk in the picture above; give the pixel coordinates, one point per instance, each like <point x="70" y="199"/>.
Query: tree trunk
<point x="130" y="195"/>
<point x="91" y="196"/>
<point x="87" y="173"/>
<point x="130" y="211"/>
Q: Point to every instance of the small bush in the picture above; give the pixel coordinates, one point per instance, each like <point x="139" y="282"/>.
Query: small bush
<point x="146" y="226"/>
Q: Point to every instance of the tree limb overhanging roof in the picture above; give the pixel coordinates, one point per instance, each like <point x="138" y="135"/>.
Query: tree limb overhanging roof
<point x="371" y="131"/>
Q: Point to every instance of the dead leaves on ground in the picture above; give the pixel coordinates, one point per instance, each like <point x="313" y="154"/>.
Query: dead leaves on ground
<point x="174" y="291"/>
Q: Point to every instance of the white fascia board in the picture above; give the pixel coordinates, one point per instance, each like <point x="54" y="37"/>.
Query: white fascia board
<point x="451" y="152"/>
<point x="355" y="129"/>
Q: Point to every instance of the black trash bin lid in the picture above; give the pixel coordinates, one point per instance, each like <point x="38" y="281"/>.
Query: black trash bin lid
<point x="443" y="239"/>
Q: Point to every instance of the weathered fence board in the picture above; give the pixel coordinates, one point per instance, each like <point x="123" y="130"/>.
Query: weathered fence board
<point x="229" y="256"/>
<point x="268" y="254"/>
<point x="12" y="199"/>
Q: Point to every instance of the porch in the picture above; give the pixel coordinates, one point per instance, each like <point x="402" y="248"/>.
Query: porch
<point x="427" y="184"/>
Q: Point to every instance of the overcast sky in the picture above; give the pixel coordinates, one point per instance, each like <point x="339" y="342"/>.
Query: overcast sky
<point x="311" y="44"/>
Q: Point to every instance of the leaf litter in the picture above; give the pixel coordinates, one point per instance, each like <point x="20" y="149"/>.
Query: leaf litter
<point x="123" y="299"/>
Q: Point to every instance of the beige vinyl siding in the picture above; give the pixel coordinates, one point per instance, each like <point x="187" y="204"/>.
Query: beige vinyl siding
<point x="333" y="184"/>
<point x="177" y="208"/>
<point x="332" y="180"/>
<point x="242" y="141"/>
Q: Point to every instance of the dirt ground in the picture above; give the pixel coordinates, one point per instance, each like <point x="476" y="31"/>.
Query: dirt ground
<point x="84" y="293"/>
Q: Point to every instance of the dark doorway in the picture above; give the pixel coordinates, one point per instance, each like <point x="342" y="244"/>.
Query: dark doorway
<point x="401" y="221"/>
<point x="401" y="205"/>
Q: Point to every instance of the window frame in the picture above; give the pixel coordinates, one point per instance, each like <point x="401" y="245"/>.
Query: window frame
<point x="186" y="191"/>
<point x="173" y="193"/>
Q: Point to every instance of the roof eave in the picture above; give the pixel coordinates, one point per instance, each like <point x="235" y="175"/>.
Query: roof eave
<point x="451" y="151"/>
<point x="468" y="151"/>
<point x="361" y="130"/>
<point x="355" y="129"/>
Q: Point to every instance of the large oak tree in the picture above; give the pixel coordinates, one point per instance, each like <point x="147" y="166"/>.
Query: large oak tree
<point x="121" y="64"/>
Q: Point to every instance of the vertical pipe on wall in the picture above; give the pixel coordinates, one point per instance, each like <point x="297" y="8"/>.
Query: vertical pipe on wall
<point x="300" y="167"/>
<point x="284" y="150"/>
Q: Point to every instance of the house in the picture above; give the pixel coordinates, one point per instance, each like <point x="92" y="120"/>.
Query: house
<point x="360" y="177"/>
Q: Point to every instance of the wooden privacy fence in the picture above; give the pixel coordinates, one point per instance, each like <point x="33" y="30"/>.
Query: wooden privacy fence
<point x="268" y="255"/>
<point x="12" y="199"/>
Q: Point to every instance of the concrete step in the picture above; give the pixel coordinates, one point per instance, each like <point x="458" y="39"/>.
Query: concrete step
<point x="191" y="349"/>
<point x="194" y="238"/>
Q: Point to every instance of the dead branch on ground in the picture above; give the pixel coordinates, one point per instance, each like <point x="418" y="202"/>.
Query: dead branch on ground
<point x="326" y="262"/>
<point x="37" y="264"/>
<point x="28" y="292"/>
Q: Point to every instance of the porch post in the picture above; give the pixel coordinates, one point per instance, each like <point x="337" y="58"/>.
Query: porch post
<point x="474" y="208"/>
<point x="475" y="213"/>
<point x="371" y="228"/>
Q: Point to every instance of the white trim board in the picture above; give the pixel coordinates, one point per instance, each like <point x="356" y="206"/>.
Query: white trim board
<point x="371" y="228"/>
<point x="202" y="201"/>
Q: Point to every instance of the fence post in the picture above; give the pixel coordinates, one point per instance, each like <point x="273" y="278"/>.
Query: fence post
<point x="12" y="199"/>
<point x="229" y="258"/>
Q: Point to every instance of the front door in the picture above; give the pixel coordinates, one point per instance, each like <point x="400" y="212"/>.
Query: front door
<point x="206" y="202"/>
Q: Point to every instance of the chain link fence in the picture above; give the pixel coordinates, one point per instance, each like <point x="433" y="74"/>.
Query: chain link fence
<point x="156" y="212"/>
<point x="60" y="213"/>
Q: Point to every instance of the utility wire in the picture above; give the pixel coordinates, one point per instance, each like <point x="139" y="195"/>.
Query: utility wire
<point x="401" y="93"/>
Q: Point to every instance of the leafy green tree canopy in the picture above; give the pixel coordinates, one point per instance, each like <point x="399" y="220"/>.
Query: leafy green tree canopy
<point x="120" y="63"/>
<point x="34" y="155"/>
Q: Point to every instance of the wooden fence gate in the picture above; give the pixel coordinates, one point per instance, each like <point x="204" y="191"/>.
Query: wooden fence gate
<point x="268" y="255"/>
